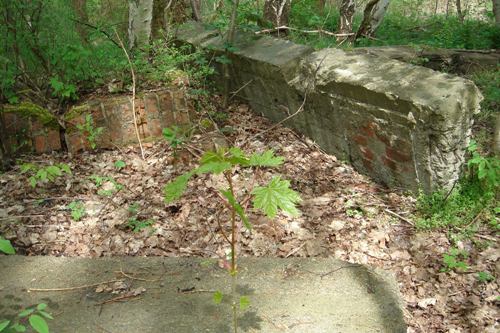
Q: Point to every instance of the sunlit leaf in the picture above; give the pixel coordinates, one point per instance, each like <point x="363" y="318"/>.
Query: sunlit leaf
<point x="6" y="247"/>
<point x="39" y="324"/>
<point x="266" y="159"/>
<point x="244" y="303"/>
<point x="276" y="195"/>
<point x="176" y="188"/>
<point x="218" y="297"/>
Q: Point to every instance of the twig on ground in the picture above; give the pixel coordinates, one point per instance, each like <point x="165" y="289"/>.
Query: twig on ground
<point x="118" y="299"/>
<point x="136" y="278"/>
<point x="318" y="31"/>
<point x="195" y="291"/>
<point x="20" y="216"/>
<point x="322" y="275"/>
<point x="133" y="94"/>
<point x="295" y="250"/>
<point x="399" y="217"/>
<point x="29" y="290"/>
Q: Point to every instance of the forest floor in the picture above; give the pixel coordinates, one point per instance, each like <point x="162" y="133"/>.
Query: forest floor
<point x="344" y="215"/>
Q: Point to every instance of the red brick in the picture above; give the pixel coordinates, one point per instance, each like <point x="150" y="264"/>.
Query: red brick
<point x="360" y="140"/>
<point x="151" y="104"/>
<point x="53" y="140"/>
<point x="40" y="143"/>
<point x="367" y="153"/>
<point x="154" y="127"/>
<point x="397" y="155"/>
<point x="390" y="163"/>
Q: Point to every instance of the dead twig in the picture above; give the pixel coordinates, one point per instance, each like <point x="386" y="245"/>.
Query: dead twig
<point x="29" y="290"/>
<point x="318" y="31"/>
<point x="133" y="94"/>
<point x="295" y="250"/>
<point x="322" y="275"/>
<point x="390" y="212"/>
<point x="136" y="278"/>
<point x="118" y="299"/>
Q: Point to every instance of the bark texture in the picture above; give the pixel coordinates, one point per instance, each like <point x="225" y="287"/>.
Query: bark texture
<point x="347" y="9"/>
<point x="373" y="15"/>
<point x="140" y="22"/>
<point x="277" y="12"/>
<point x="80" y="8"/>
<point x="496" y="11"/>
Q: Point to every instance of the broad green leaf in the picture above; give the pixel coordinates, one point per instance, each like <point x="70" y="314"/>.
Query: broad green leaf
<point x="46" y="314"/>
<point x="218" y="297"/>
<point x="41" y="306"/>
<point x="238" y="157"/>
<point x="237" y="207"/>
<point x="42" y="174"/>
<point x="120" y="164"/>
<point x="26" y="313"/>
<point x="213" y="167"/>
<point x="32" y="181"/>
<point x="64" y="167"/>
<point x="27" y="167"/>
<point x="276" y="195"/>
<point x="266" y="159"/>
<point x="213" y="156"/>
<point x="4" y="324"/>
<point x="39" y="324"/>
<point x="244" y="303"/>
<point x="54" y="170"/>
<point x="6" y="247"/>
<point x="19" y="328"/>
<point x="176" y="188"/>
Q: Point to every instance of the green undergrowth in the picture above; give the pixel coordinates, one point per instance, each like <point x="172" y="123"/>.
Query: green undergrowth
<point x="470" y="205"/>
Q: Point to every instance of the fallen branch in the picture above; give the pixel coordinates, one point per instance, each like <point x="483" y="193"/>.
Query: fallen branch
<point x="136" y="278"/>
<point x="118" y="299"/>
<point x="29" y="290"/>
<point x="399" y="217"/>
<point x="318" y="31"/>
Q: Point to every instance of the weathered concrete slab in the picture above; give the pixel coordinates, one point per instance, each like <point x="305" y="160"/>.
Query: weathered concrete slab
<point x="404" y="125"/>
<point x="292" y="295"/>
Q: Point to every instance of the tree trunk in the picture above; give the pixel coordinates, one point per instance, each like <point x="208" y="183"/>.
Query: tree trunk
<point x="496" y="11"/>
<point x="373" y="15"/>
<point x="80" y="8"/>
<point x="139" y="22"/>
<point x="321" y="6"/>
<point x="460" y="13"/>
<point x="277" y="12"/>
<point x="196" y="9"/>
<point x="347" y="9"/>
<point x="496" y="135"/>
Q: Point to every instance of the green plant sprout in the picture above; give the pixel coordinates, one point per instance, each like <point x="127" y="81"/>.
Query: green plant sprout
<point x="77" y="209"/>
<point x="46" y="174"/>
<point x="134" y="223"/>
<point x="6" y="247"/>
<point x="120" y="165"/>
<point x="485" y="277"/>
<point x="454" y="260"/>
<point x="34" y="316"/>
<point x="92" y="133"/>
<point x="269" y="199"/>
<point x="99" y="181"/>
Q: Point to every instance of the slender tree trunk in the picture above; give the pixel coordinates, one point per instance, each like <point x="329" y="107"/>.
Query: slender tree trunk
<point x="277" y="12"/>
<point x="80" y="8"/>
<point x="196" y="9"/>
<point x="373" y="14"/>
<point x="447" y="8"/>
<point x="496" y="11"/>
<point x="229" y="41"/>
<point x="321" y="5"/>
<point x="496" y="141"/>
<point x="460" y="13"/>
<point x="139" y="22"/>
<point x="436" y="7"/>
<point x="347" y="9"/>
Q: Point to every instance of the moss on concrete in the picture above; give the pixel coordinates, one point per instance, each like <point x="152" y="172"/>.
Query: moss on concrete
<point x="28" y="109"/>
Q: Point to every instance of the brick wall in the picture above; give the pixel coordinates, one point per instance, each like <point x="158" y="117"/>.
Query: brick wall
<point x="154" y="111"/>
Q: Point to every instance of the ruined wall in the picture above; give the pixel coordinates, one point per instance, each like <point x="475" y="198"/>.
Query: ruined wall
<point x="154" y="111"/>
<point x="404" y="125"/>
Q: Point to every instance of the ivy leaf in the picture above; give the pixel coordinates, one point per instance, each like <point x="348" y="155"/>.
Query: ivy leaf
<point x="176" y="188"/>
<point x="237" y="207"/>
<point x="64" y="167"/>
<point x="266" y="159"/>
<point x="244" y="303"/>
<point x="25" y="313"/>
<point x="218" y="297"/>
<point x="276" y="195"/>
<point x="39" y="324"/>
<point x="213" y="167"/>
<point x="4" y="324"/>
<point x="6" y="247"/>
